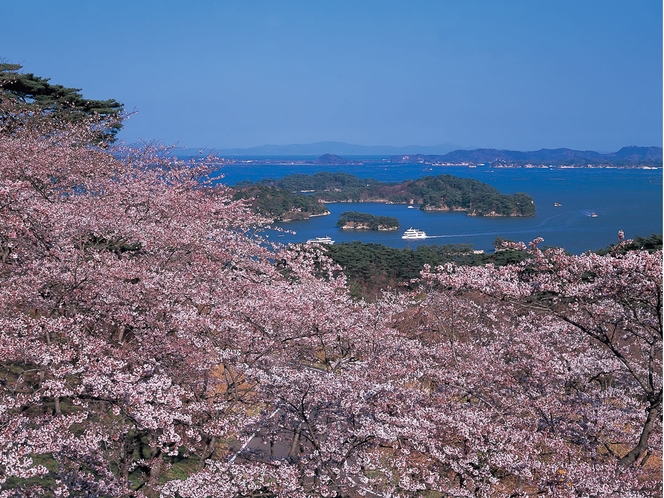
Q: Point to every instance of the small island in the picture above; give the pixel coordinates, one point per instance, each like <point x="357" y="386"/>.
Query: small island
<point x="364" y="221"/>
<point x="334" y="160"/>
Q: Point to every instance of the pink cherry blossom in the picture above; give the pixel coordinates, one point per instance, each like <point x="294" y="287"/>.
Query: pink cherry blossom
<point x="153" y="343"/>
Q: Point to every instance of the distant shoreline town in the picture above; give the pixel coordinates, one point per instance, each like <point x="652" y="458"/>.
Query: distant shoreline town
<point x="627" y="157"/>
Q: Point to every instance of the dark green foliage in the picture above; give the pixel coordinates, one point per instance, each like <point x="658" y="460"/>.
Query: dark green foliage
<point x="434" y="193"/>
<point x="281" y="204"/>
<point x="507" y="257"/>
<point x="367" y="221"/>
<point x="499" y="241"/>
<point x="477" y="198"/>
<point x="36" y="96"/>
<point x="332" y="187"/>
<point x="372" y="267"/>
<point x="323" y="181"/>
<point x="117" y="245"/>
<point x="651" y="244"/>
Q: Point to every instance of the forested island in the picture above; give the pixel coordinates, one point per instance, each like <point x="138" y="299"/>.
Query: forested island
<point x="430" y="193"/>
<point x="281" y="204"/>
<point x="365" y="221"/>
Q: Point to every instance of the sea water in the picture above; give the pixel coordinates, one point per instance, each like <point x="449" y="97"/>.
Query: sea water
<point x="622" y="199"/>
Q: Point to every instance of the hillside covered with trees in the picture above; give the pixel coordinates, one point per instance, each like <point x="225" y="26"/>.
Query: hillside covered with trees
<point x="281" y="204"/>
<point x="373" y="268"/>
<point x="154" y="344"/>
<point x="431" y="193"/>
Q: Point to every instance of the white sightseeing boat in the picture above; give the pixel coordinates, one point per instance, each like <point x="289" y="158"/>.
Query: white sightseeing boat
<point x="321" y="240"/>
<point x="414" y="233"/>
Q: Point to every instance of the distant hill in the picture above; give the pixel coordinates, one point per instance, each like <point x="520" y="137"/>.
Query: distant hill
<point x="626" y="157"/>
<point x="332" y="159"/>
<point x="642" y="154"/>
<point x="330" y="153"/>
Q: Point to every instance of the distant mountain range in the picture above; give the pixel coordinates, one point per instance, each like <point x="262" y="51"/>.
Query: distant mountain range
<point x="626" y="157"/>
<point x="447" y="153"/>
<point x="338" y="148"/>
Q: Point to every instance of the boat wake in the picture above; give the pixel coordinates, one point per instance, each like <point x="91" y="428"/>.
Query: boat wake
<point x="544" y="225"/>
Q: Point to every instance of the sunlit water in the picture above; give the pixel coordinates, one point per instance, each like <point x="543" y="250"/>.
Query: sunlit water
<point x="623" y="199"/>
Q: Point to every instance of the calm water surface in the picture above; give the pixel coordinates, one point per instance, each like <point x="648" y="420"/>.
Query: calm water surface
<point x="622" y="199"/>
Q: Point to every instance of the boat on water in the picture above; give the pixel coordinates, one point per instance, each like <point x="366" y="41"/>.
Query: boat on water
<point x="557" y="204"/>
<point x="414" y="233"/>
<point x="321" y="240"/>
<point x="593" y="215"/>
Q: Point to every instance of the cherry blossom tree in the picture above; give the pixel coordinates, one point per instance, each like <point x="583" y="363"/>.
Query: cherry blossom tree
<point x="147" y="328"/>
<point x="572" y="351"/>
<point x="110" y="270"/>
<point x="152" y="343"/>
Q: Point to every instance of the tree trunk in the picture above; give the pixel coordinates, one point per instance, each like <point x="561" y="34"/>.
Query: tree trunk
<point x="207" y="451"/>
<point x="642" y="446"/>
<point x="294" y="445"/>
<point x="156" y="466"/>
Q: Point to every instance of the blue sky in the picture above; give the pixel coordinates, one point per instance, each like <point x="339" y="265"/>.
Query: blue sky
<point x="483" y="73"/>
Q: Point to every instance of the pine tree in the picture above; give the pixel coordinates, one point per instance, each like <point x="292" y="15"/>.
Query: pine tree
<point x="35" y="97"/>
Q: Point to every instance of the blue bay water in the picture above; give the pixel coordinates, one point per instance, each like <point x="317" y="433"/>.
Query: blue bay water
<point x="623" y="199"/>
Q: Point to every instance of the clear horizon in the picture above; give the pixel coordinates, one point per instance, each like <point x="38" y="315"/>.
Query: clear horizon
<point x="514" y="75"/>
<point x="386" y="146"/>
